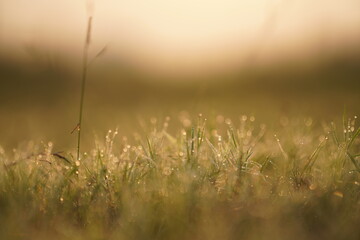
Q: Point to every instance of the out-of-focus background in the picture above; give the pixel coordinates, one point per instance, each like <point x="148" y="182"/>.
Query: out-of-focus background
<point x="268" y="58"/>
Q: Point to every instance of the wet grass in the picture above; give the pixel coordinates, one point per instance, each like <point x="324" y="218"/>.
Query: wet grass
<point x="218" y="178"/>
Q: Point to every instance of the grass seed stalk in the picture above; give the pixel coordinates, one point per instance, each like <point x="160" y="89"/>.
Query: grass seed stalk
<point x="83" y="83"/>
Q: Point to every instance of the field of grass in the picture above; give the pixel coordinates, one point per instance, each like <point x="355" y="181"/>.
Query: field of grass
<point x="215" y="178"/>
<point x="274" y="153"/>
<point x="253" y="165"/>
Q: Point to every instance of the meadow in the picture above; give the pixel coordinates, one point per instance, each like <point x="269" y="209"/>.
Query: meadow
<point x="179" y="120"/>
<point x="258" y="154"/>
<point x="213" y="179"/>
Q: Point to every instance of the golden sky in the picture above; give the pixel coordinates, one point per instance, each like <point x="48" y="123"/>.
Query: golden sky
<point x="187" y="34"/>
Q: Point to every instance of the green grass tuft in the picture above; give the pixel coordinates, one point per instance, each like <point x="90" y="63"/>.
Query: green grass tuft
<point x="209" y="180"/>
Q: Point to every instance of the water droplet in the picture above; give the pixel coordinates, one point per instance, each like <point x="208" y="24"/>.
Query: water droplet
<point x="153" y="120"/>
<point x="308" y="122"/>
<point x="186" y="122"/>
<point x="219" y="119"/>
<point x="338" y="194"/>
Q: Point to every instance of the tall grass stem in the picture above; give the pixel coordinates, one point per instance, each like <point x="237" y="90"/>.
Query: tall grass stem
<point x="83" y="83"/>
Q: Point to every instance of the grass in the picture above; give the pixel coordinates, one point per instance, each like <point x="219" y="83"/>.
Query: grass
<point x="202" y="179"/>
<point x="212" y="179"/>
<point x="83" y="84"/>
